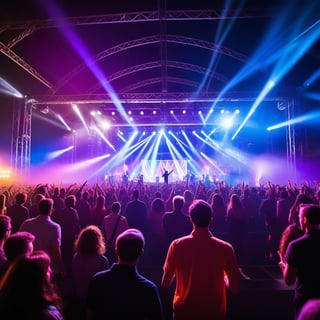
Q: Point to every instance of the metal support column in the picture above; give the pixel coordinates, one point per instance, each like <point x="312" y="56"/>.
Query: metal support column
<point x="21" y="136"/>
<point x="291" y="143"/>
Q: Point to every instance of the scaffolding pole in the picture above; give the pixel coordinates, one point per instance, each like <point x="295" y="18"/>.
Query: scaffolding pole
<point x="291" y="143"/>
<point x="21" y="137"/>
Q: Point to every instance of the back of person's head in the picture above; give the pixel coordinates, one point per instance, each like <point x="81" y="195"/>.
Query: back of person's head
<point x="311" y="213"/>
<point x="188" y="196"/>
<point x="130" y="245"/>
<point x="310" y="310"/>
<point x="217" y="200"/>
<point x="100" y="202"/>
<point x="62" y="192"/>
<point x="178" y="202"/>
<point x="85" y="195"/>
<point x="45" y="206"/>
<point x="5" y="226"/>
<point x="135" y="193"/>
<point x="115" y="207"/>
<point x="90" y="241"/>
<point x="70" y="201"/>
<point x="18" y="244"/>
<point x="200" y="213"/>
<point x="21" y="198"/>
<point x="157" y="194"/>
<point x="284" y="194"/>
<point x="2" y="200"/>
<point x="38" y="197"/>
<point x="25" y="281"/>
<point x="289" y="234"/>
<point x="56" y="191"/>
<point x="302" y="198"/>
<point x="78" y="195"/>
<point x="157" y="206"/>
<point x="235" y="199"/>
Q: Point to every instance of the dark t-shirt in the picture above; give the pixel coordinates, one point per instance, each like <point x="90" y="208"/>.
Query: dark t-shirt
<point x="136" y="214"/>
<point x="176" y="225"/>
<point x="122" y="293"/>
<point x="303" y="254"/>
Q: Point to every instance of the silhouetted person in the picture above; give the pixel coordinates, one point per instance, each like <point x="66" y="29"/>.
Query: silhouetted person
<point x="302" y="258"/>
<point x="17" y="245"/>
<point x="310" y="311"/>
<point x="26" y="290"/>
<point x="268" y="211"/>
<point x="98" y="213"/>
<point x="114" y="224"/>
<point x="83" y="208"/>
<point x="121" y="292"/>
<point x="34" y="209"/>
<point x="47" y="235"/>
<point x="175" y="223"/>
<point x="166" y="175"/>
<point x="136" y="212"/>
<point x="18" y="212"/>
<point x="70" y="228"/>
<point x="5" y="231"/>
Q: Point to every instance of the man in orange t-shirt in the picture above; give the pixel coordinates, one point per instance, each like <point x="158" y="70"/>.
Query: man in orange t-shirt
<point x="204" y="266"/>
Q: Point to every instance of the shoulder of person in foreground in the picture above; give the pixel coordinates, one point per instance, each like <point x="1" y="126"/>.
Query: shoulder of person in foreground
<point x="51" y="313"/>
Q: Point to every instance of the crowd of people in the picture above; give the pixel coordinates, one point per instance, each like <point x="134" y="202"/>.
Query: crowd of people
<point x="81" y="244"/>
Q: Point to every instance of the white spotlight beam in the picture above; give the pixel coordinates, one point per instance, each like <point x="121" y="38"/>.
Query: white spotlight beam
<point x="213" y="163"/>
<point x="254" y="107"/>
<point x="304" y="118"/>
<point x="105" y="139"/>
<point x="63" y="122"/>
<point x="56" y="154"/>
<point x="78" y="113"/>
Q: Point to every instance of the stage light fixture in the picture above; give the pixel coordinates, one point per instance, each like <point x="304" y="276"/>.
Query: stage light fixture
<point x="154" y="112"/>
<point x="105" y="125"/>
<point x="184" y="111"/>
<point x="43" y="109"/>
<point x="141" y="112"/>
<point x="171" y="112"/>
<point x="227" y="123"/>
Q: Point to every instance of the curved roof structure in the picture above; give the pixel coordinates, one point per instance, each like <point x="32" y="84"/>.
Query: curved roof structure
<point x="163" y="56"/>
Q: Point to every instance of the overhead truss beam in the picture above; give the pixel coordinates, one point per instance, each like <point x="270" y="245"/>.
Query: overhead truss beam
<point x="140" y="17"/>
<point x="147" y="98"/>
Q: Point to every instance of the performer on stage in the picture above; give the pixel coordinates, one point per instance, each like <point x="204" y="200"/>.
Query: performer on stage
<point x="166" y="176"/>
